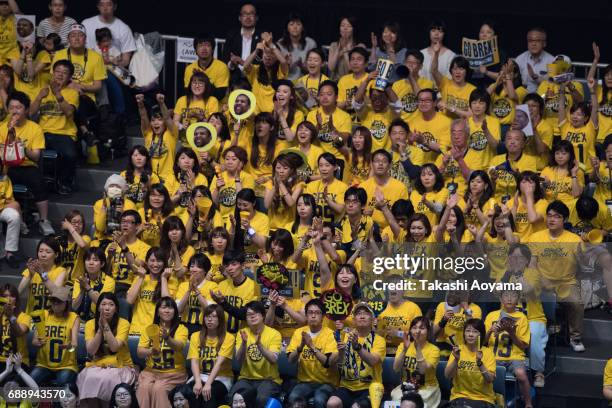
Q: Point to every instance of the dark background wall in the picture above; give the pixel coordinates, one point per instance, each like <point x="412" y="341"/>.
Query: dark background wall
<point x="572" y="25"/>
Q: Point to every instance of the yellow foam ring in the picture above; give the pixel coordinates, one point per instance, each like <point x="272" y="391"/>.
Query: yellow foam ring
<point x="595" y="236"/>
<point x="203" y="205"/>
<point x="190" y="134"/>
<point x="376" y="391"/>
<point x="244" y="214"/>
<point x="232" y="102"/>
<point x="153" y="333"/>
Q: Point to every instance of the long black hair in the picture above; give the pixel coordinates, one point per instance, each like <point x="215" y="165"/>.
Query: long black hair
<point x="189" y="153"/>
<point x="167" y="207"/>
<point x="114" y="322"/>
<point x="173" y="223"/>
<point x="148" y="170"/>
<point x="309" y="200"/>
<point x="224" y="134"/>
<point x="176" y="319"/>
<point x="439" y="183"/>
<point x="488" y="191"/>
<point x="160" y="255"/>
<point x="270" y="145"/>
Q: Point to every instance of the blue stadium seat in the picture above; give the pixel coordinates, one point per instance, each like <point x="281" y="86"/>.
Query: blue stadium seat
<point x="81" y="350"/>
<point x="445" y="383"/>
<point x="499" y="385"/>
<point x="133" y="345"/>
<point x="390" y="378"/>
<point x="285" y="368"/>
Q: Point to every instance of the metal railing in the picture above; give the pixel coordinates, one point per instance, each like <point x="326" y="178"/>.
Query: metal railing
<point x="171" y="62"/>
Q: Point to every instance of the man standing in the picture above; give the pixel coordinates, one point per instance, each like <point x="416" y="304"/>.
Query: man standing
<point x="216" y="70"/>
<point x="533" y="62"/>
<point x="123" y="38"/>
<point x="241" y="43"/>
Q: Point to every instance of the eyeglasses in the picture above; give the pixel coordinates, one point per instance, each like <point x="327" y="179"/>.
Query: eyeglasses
<point x="128" y="222"/>
<point x="314" y="312"/>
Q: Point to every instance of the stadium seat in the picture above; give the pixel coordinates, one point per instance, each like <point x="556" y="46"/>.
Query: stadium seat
<point x="133" y="345"/>
<point x="285" y="368"/>
<point x="81" y="351"/>
<point x="390" y="378"/>
<point x="48" y="164"/>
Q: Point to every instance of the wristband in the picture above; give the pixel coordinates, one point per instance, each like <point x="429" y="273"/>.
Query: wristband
<point x="12" y="319"/>
<point x="479" y="363"/>
<point x="44" y="276"/>
<point x="357" y="347"/>
<point x="125" y="250"/>
<point x="442" y="323"/>
<point x="326" y="364"/>
<point x="236" y="180"/>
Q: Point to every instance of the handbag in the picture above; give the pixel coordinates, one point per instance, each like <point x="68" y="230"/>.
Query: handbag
<point x="13" y="153"/>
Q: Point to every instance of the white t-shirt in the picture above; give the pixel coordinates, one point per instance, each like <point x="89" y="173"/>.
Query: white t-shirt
<point x="123" y="38"/>
<point x="444" y="62"/>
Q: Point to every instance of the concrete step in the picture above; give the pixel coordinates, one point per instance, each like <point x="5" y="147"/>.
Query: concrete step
<point x="599" y="327"/>
<point x="83" y="201"/>
<point x="92" y="178"/>
<point x="590" y="362"/>
<point x="571" y="390"/>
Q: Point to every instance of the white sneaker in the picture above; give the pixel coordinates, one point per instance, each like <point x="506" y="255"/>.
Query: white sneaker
<point x="45" y="227"/>
<point x="577" y="346"/>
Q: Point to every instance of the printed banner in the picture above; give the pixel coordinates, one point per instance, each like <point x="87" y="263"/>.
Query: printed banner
<point x="477" y="52"/>
<point x="185" y="51"/>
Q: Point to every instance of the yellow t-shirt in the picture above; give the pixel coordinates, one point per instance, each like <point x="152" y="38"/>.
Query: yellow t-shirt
<point x="469" y="382"/>
<point x="312" y="158"/>
<point x="608" y="373"/>
<point x="105" y="357"/>
<point x="71" y="258"/>
<point x="310" y="368"/>
<point x="143" y="310"/>
<point x="169" y="361"/>
<point x="193" y="310"/>
<point x="604" y="115"/>
<point x="264" y="94"/>
<point x="104" y="283"/>
<point x="392" y="191"/>
<point x="30" y="134"/>
<point x="347" y="89"/>
<point x="524" y="228"/>
<point x="207" y="353"/>
<point x="261" y="224"/>
<point x="8" y="37"/>
<point x="255" y="366"/>
<point x="503" y="347"/>
<point x="436" y="197"/>
<point x="6" y="191"/>
<point x="282" y="214"/>
<point x="397" y="318"/>
<point x="312" y="272"/>
<point x="545" y="131"/>
<point x="355" y="374"/>
<point x="217" y="72"/>
<point x="583" y="140"/>
<point x="58" y="332"/>
<point x="455" y="96"/>
<point x="263" y="168"/>
<point x="479" y="148"/>
<point x="505" y="185"/>
<point x="335" y="189"/>
<point x="497" y="254"/>
<point x="356" y="174"/>
<point x="53" y="119"/>
<point x="435" y="130"/>
<point x="560" y="186"/>
<point x="378" y="124"/>
<point x="238" y="296"/>
<point x="551" y="103"/>
<point x="342" y="122"/>
<point x="556" y="257"/>
<point x="88" y="67"/>
<point x="452" y="174"/>
<point x="7" y="343"/>
<point x="504" y="108"/>
<point x="454" y="326"/>
<point x="298" y="117"/>
<point x="38" y="294"/>
<point x="190" y="111"/>
<point x="603" y="190"/>
<point x="161" y="150"/>
<point x="120" y="270"/>
<point x="311" y="85"/>
<point x="411" y="373"/>
<point x="135" y="190"/>
<point x="406" y="94"/>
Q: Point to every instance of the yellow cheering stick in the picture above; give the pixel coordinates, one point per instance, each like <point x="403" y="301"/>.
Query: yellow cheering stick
<point x="39" y="318"/>
<point x="244" y="215"/>
<point x="153" y="333"/>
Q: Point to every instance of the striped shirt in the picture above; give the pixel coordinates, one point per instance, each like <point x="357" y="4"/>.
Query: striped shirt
<point x="46" y="27"/>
